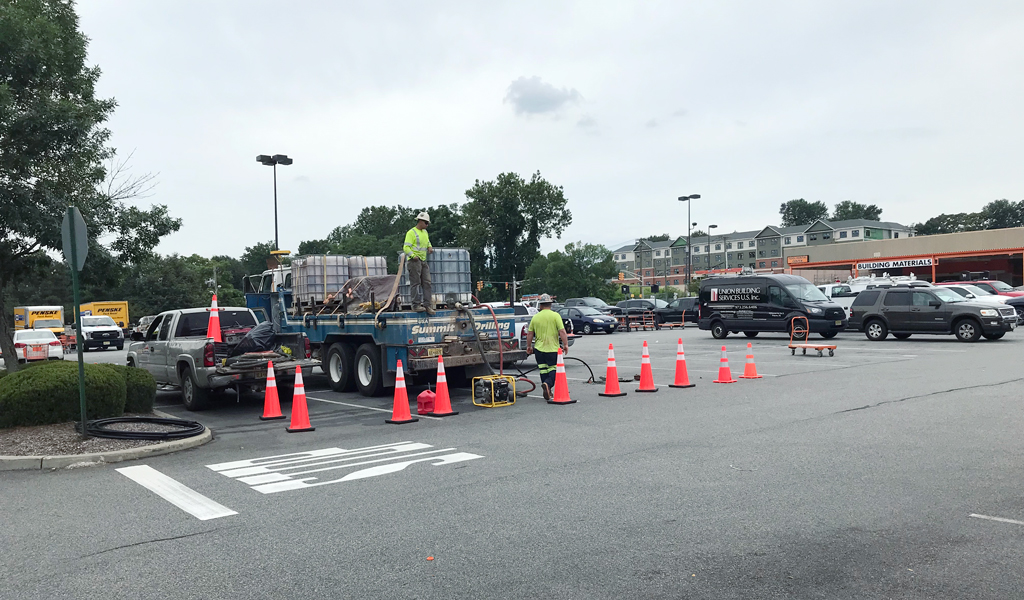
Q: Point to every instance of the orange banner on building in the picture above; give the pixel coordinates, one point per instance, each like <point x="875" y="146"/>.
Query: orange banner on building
<point x="796" y="260"/>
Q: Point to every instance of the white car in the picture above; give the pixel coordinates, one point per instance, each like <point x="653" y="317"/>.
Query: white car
<point x="37" y="344"/>
<point x="976" y="294"/>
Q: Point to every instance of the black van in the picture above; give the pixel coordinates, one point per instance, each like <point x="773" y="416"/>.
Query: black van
<point x="755" y="303"/>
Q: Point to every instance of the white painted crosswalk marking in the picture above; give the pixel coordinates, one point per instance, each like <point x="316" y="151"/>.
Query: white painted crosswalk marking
<point x="299" y="470"/>
<point x="185" y="498"/>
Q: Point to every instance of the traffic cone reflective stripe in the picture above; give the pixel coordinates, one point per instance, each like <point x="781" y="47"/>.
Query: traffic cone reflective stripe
<point x="750" y="369"/>
<point x="646" y="375"/>
<point x="682" y="377"/>
<point x="561" y="394"/>
<point x="442" y="402"/>
<point x="724" y="373"/>
<point x="271" y="401"/>
<point x="400" y="413"/>
<point x="300" y="415"/>
<point x="213" y="327"/>
<point x="611" y="381"/>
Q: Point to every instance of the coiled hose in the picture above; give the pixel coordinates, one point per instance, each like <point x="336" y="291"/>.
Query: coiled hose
<point x="186" y="429"/>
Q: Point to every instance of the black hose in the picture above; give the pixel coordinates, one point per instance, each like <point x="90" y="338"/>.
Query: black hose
<point x="584" y="364"/>
<point x="97" y="428"/>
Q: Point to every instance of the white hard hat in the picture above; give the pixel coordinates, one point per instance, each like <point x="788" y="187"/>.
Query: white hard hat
<point x="423" y="216"/>
<point x="544" y="299"/>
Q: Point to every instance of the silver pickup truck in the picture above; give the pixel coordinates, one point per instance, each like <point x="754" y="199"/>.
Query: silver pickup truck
<point x="177" y="352"/>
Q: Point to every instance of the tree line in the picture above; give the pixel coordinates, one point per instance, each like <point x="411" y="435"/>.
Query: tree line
<point x="998" y="214"/>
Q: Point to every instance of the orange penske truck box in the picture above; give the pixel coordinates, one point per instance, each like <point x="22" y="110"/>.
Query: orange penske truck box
<point x="25" y="317"/>
<point x="116" y="310"/>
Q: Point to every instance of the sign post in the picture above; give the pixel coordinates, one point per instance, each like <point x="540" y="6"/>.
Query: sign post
<point x="75" y="241"/>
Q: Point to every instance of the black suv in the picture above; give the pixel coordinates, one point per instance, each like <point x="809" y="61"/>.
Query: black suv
<point x="637" y="306"/>
<point x="676" y="310"/>
<point x="903" y="311"/>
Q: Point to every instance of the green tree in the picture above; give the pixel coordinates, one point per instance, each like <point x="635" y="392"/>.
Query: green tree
<point x="802" y="212"/>
<point x="506" y="219"/>
<point x="580" y="270"/>
<point x="848" y="209"/>
<point x="658" y="238"/>
<point x="53" y="146"/>
<point x="1000" y="214"/>
<point x="167" y="282"/>
<point x="254" y="259"/>
<point x="698" y="233"/>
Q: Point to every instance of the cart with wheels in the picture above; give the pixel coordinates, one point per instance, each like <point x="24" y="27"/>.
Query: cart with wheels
<point x="800" y="332"/>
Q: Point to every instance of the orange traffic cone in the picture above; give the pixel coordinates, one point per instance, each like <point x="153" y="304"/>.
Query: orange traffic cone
<point x="271" y="403"/>
<point x="750" y="369"/>
<point x="611" y="381"/>
<point x="646" y="375"/>
<point x="300" y="415"/>
<point x="213" y="328"/>
<point x="561" y="395"/>
<point x="400" y="413"/>
<point x="442" y="402"/>
<point x="682" y="377"/>
<point x="724" y="373"/>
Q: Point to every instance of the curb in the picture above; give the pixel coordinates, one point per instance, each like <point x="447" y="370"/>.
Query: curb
<point x="19" y="463"/>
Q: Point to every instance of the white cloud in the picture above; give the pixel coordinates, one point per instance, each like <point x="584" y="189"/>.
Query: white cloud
<point x="531" y="95"/>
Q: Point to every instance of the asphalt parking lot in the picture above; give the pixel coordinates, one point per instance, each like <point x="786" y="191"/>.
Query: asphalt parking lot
<point x="853" y="476"/>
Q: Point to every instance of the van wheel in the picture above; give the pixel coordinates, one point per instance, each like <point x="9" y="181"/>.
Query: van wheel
<point x="718" y="330"/>
<point x="901" y="336"/>
<point x="750" y="334"/>
<point x="967" y="330"/>
<point x="369" y="370"/>
<point x="339" y="366"/>
<point x="799" y="335"/>
<point x="876" y="330"/>
<point x="829" y="334"/>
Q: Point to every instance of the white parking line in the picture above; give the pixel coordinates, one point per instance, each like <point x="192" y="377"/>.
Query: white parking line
<point x="383" y="410"/>
<point x="173" y="491"/>
<point x="1000" y="519"/>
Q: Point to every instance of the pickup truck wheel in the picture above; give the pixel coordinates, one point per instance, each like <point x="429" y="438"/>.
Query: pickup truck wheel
<point x="369" y="370"/>
<point x="339" y="366"/>
<point x="193" y="396"/>
<point x="718" y="330"/>
<point x="967" y="330"/>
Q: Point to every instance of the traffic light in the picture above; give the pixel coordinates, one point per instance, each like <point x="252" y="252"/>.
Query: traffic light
<point x="479" y="286"/>
<point x="625" y="289"/>
<point x="654" y="288"/>
<point x="622" y="276"/>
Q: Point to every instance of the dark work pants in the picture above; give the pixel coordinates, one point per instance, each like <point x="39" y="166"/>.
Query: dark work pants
<point x="546" y="364"/>
<point x="419" y="283"/>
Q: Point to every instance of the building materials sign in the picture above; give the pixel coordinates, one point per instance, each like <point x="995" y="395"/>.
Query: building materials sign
<point x="894" y="264"/>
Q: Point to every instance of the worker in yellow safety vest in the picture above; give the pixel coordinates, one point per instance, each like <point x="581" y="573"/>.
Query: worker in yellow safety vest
<point x="417" y="246"/>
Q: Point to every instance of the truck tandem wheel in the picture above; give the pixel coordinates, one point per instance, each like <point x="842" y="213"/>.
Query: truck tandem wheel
<point x="339" y="365"/>
<point x="369" y="370"/>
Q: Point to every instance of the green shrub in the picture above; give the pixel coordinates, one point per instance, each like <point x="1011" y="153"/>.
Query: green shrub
<point x="48" y="393"/>
<point x="141" y="388"/>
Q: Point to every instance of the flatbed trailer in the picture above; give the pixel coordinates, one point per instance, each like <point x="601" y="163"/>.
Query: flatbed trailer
<point x="360" y="351"/>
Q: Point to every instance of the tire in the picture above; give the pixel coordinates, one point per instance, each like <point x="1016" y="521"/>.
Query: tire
<point x="130" y="363"/>
<point x="876" y="330"/>
<point x="829" y="334"/>
<point x="586" y="329"/>
<point x="718" y="330"/>
<point x="193" y="397"/>
<point x="994" y="336"/>
<point x="967" y="330"/>
<point x="339" y="366"/>
<point x="369" y="370"/>
<point x="750" y="334"/>
<point x="901" y="336"/>
<point x="120" y="346"/>
<point x="798" y="336"/>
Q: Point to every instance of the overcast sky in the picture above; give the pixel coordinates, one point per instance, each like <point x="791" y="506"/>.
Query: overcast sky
<point x="914" y="106"/>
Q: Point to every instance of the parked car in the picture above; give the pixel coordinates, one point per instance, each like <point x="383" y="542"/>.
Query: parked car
<point x="993" y="286"/>
<point x="590" y="301"/>
<point x="589" y="320"/>
<point x="755" y="303"/>
<point x="101" y="332"/>
<point x="37" y="344"/>
<point x="637" y="306"/>
<point x="977" y="294"/>
<point x="904" y="311"/>
<point x="676" y="309"/>
<point x="144" y="324"/>
<point x="1017" y="303"/>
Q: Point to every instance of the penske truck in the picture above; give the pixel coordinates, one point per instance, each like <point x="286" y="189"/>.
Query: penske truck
<point x="48" y="317"/>
<point x="115" y="309"/>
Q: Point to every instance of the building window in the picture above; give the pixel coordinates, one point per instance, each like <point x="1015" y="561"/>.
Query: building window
<point x="826" y="236"/>
<point x="760" y="253"/>
<point x="739" y="245"/>
<point x="760" y="242"/>
<point x="751" y="265"/>
<point x="775" y="263"/>
<point x="842" y="234"/>
<point x="855" y="233"/>
<point x="814" y="237"/>
<point x="762" y="264"/>
<point x="718" y="258"/>
<point x="647" y="273"/>
<point x="718" y="246"/>
<point x="707" y="249"/>
<point x="775" y="252"/>
<point x="799" y="239"/>
<point x="775" y="241"/>
<point x="728" y="245"/>
<point x="751" y="255"/>
<point x="788" y="240"/>
<point x="867" y="232"/>
<point x="675" y="282"/>
<point x="739" y="256"/>
<point x="895" y="234"/>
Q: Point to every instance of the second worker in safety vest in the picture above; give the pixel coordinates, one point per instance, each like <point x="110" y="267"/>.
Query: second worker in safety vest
<point x="417" y="246"/>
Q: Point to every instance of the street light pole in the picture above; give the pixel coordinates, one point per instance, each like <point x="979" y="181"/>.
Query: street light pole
<point x="711" y="239"/>
<point x="689" y="250"/>
<point x="273" y="161"/>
